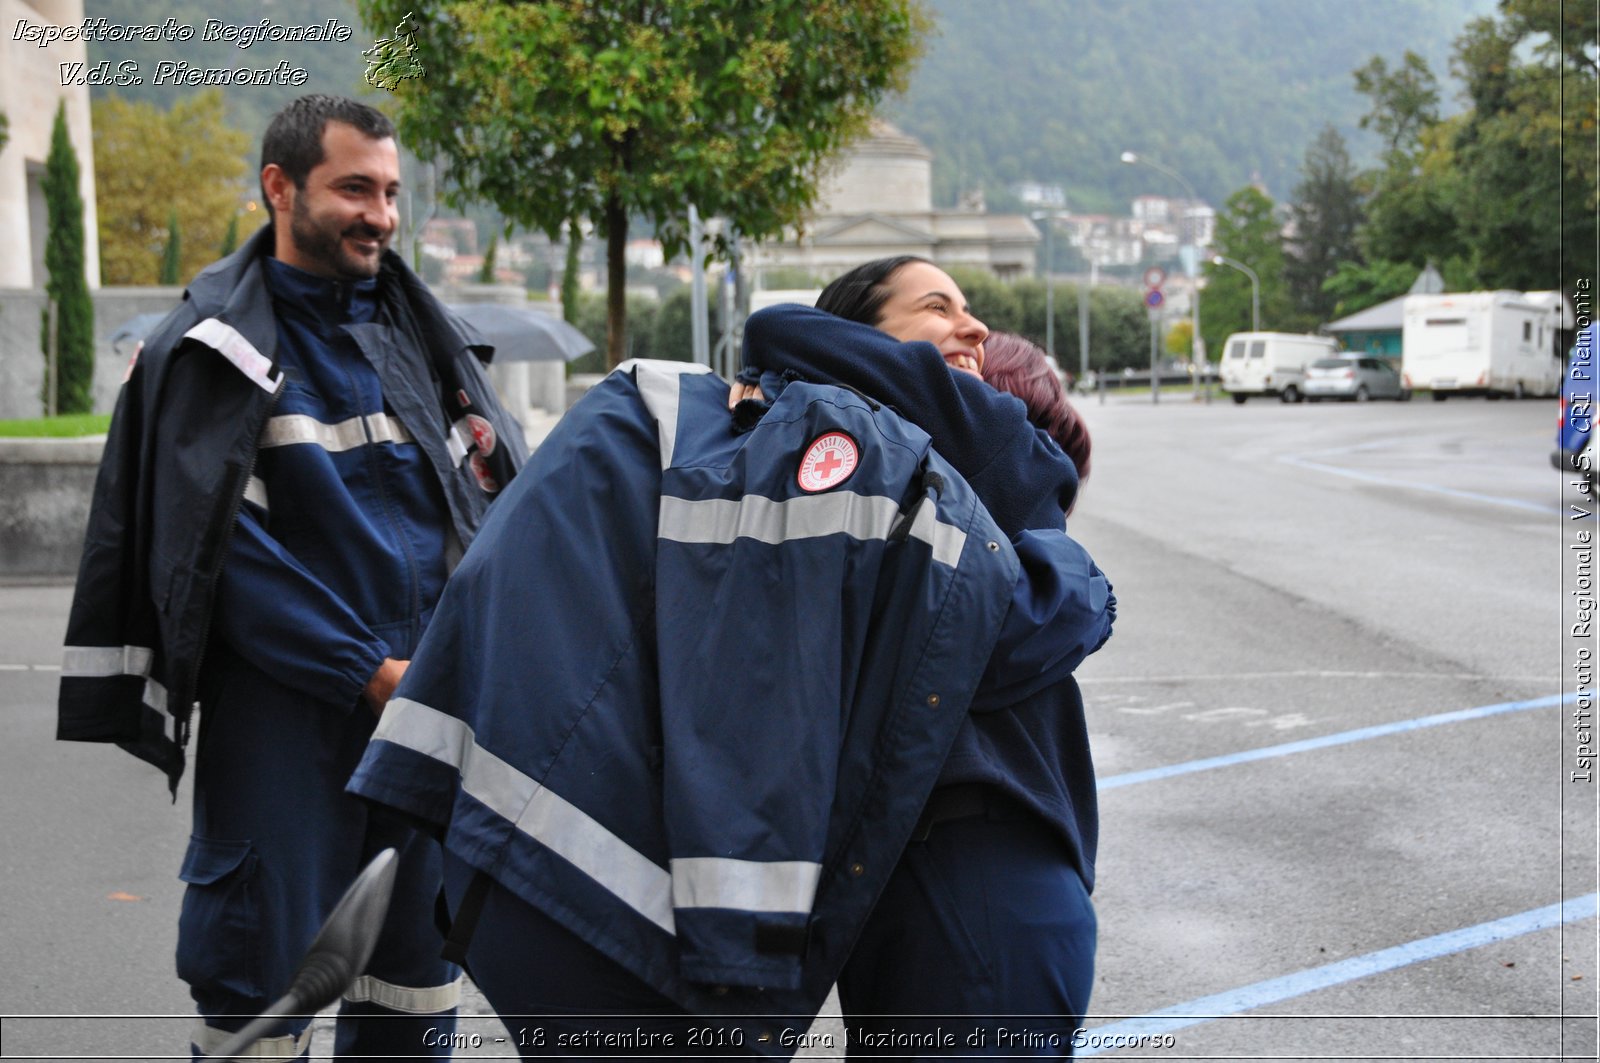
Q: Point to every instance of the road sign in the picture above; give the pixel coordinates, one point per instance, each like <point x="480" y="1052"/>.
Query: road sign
<point x="1153" y="298"/>
<point x="1154" y="276"/>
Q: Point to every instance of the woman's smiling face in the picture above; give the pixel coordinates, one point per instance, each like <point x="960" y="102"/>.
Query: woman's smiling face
<point x="925" y="304"/>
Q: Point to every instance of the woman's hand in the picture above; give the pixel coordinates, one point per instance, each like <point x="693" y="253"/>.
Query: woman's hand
<point x="740" y="392"/>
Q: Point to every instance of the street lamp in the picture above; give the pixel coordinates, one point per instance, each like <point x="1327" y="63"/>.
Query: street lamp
<point x="1049" y="278"/>
<point x="1133" y="158"/>
<point x="1255" y="288"/>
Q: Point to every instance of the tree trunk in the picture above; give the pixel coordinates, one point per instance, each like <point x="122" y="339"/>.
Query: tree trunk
<point x="616" y="282"/>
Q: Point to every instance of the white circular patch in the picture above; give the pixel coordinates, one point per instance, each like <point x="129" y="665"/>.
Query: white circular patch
<point x="828" y="462"/>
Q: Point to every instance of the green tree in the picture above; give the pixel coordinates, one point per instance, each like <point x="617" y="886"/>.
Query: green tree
<point x="1325" y="213"/>
<point x="150" y="163"/>
<point x="172" y="254"/>
<point x="230" y="238"/>
<point x="1248" y="231"/>
<point x="601" y="109"/>
<point x="486" y="271"/>
<point x="571" y="293"/>
<point x="5" y="130"/>
<point x="67" y="286"/>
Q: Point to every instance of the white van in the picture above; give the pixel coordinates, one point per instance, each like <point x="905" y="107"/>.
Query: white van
<point x="1271" y="363"/>
<point x="1482" y="343"/>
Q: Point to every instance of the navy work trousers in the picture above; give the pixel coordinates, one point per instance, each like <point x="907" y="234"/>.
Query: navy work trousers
<point x="276" y="842"/>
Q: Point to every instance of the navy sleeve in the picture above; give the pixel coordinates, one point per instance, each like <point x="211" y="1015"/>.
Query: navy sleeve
<point x="1022" y="477"/>
<point x="275" y="614"/>
<point x="1061" y="612"/>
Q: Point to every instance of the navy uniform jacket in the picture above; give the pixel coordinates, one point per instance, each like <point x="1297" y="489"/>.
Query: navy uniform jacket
<point x="688" y="692"/>
<point x="179" y="463"/>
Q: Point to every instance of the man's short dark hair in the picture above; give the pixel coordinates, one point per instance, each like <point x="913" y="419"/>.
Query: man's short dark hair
<point x="294" y="138"/>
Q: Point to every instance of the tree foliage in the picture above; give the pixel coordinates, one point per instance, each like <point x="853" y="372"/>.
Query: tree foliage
<point x="149" y="163"/>
<point x="1248" y="231"/>
<point x="603" y="110"/>
<point x="1504" y="194"/>
<point x="1325" y="214"/>
<point x="67" y="285"/>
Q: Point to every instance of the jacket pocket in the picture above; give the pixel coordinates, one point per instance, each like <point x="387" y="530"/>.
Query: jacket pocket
<point x="219" y="926"/>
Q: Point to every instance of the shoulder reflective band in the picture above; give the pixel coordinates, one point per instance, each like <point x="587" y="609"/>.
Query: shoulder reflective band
<point x="658" y="383"/>
<point x="226" y="341"/>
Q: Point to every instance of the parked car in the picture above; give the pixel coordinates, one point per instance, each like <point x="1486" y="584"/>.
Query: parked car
<point x="1575" y="435"/>
<point x="1271" y="363"/>
<point x="1354" y="377"/>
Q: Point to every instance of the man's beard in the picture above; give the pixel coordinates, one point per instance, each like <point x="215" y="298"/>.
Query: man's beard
<point x="319" y="243"/>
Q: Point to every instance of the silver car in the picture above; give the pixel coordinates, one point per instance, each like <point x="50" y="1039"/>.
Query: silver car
<point x="1355" y="377"/>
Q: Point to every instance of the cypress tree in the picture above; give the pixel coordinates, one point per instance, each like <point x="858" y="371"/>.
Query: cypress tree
<point x="230" y="239"/>
<point x="173" y="255"/>
<point x="66" y="285"/>
<point x="486" y="272"/>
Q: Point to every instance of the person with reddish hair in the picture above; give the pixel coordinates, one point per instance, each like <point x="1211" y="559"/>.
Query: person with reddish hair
<point x="987" y="914"/>
<point x="1019" y="367"/>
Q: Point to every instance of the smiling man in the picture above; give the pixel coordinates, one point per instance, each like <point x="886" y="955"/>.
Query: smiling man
<point x="300" y="453"/>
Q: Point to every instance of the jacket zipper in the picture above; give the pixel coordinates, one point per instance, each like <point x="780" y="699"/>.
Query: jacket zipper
<point x="192" y="690"/>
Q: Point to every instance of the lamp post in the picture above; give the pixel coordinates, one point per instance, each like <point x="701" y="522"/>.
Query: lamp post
<point x="1255" y="288"/>
<point x="1049" y="218"/>
<point x="1132" y="158"/>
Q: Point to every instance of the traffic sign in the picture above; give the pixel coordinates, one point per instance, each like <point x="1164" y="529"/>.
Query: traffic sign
<point x="1154" y="276"/>
<point x="1153" y="298"/>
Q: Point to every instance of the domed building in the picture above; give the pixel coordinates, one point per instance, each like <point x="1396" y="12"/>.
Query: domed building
<point x="879" y="202"/>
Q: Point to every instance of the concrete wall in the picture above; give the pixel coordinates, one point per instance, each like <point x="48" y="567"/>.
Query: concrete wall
<point x="22" y="360"/>
<point x="46" y="484"/>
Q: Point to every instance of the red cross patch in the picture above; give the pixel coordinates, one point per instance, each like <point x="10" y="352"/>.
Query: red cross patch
<point x="482" y="433"/>
<point x="828" y="462"/>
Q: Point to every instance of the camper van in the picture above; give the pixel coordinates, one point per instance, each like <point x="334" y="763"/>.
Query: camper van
<point x="1271" y="363"/>
<point x="1483" y="343"/>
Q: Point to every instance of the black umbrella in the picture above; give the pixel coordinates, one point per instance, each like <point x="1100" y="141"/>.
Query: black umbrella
<point x="522" y="334"/>
<point x="136" y="328"/>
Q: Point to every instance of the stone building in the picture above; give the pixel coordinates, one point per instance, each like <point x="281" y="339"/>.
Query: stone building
<point x="880" y="202"/>
<point x="30" y="91"/>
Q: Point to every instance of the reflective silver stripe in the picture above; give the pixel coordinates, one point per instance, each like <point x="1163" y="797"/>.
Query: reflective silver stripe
<point x="286" y="1049"/>
<point x="292" y="428"/>
<point x="459" y="442"/>
<point x="552" y="821"/>
<point x="103" y="662"/>
<point x="386" y="429"/>
<point x="367" y="989"/>
<point x="658" y="385"/>
<point x="227" y="341"/>
<point x="747" y="885"/>
<point x="722" y="520"/>
<point x="947" y="540"/>
<point x="94" y="662"/>
<point x="256" y="491"/>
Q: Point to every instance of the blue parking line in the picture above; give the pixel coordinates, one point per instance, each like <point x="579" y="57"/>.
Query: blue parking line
<point x="1471" y="496"/>
<point x="1274" y="990"/>
<point x="1342" y="738"/>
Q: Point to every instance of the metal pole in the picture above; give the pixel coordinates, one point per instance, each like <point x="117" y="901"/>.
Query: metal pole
<point x="1155" y="371"/>
<point x="699" y="320"/>
<point x="1132" y="159"/>
<point x="1049" y="289"/>
<point x="1083" y="327"/>
<point x="55" y="361"/>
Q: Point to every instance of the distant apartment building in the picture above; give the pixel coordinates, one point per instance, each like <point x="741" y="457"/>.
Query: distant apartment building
<point x="30" y="93"/>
